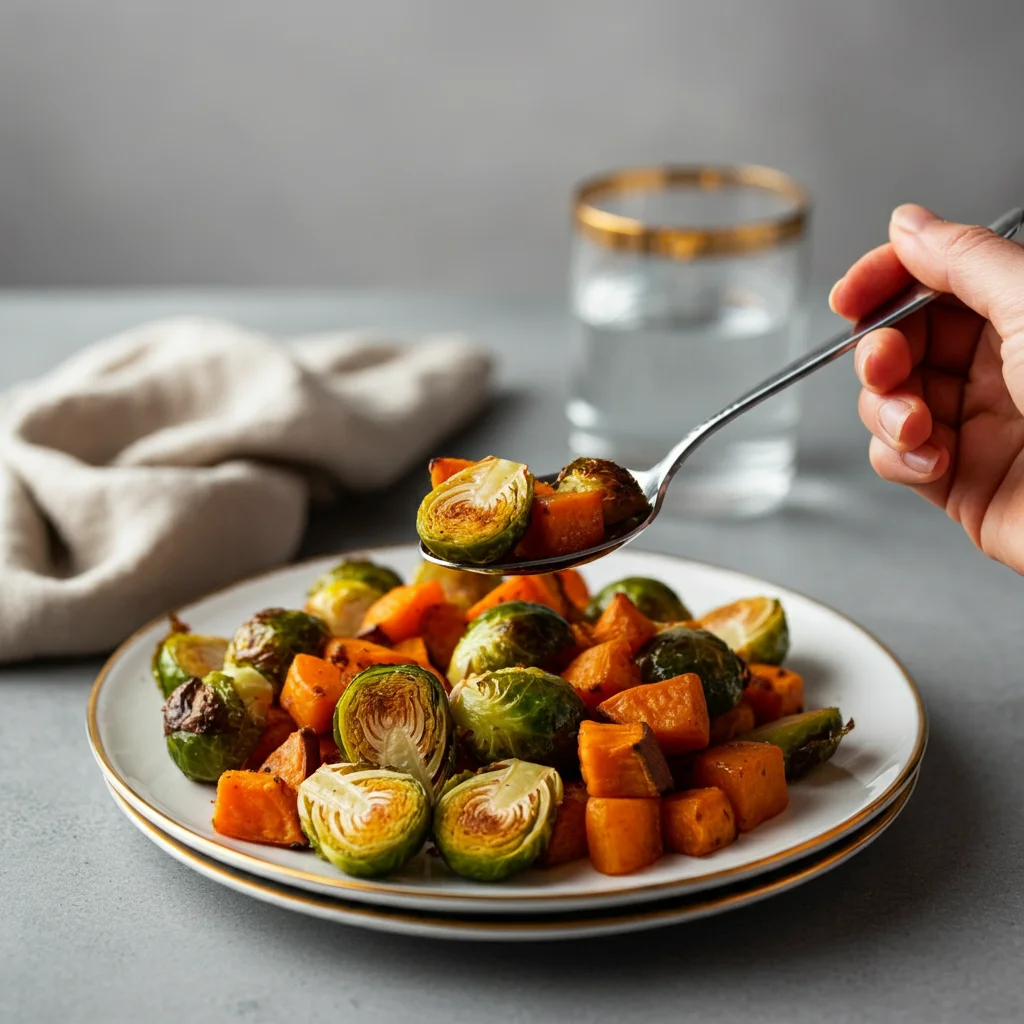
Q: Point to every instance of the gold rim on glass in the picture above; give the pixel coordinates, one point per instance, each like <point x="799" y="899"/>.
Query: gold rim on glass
<point x="681" y="242"/>
<point x="258" y="865"/>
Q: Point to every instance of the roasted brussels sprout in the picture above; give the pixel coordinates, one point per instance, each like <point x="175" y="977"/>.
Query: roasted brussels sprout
<point x="755" y="629"/>
<point x="657" y="601"/>
<point x="380" y="577"/>
<point x="183" y="655"/>
<point x="341" y="604"/>
<point x="498" y="821"/>
<point x="366" y="821"/>
<point x="517" y="712"/>
<point x="271" y="638"/>
<point x="622" y="497"/>
<point x="509" y="634"/>
<point x="209" y="727"/>
<point x="397" y="716"/>
<point x="676" y="651"/>
<point x="461" y="588"/>
<point x="806" y="740"/>
<point x="478" y="515"/>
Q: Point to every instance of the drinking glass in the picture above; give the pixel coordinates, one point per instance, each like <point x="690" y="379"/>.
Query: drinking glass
<point x="687" y="288"/>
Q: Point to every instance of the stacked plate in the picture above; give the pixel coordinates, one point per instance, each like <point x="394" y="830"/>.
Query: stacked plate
<point x="835" y="812"/>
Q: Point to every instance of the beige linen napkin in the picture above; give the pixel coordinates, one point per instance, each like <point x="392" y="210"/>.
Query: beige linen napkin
<point x="179" y="456"/>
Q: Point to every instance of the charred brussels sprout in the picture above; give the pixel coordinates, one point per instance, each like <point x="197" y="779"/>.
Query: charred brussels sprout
<point x="679" y="650"/>
<point x="183" y="655"/>
<point x="657" y="601"/>
<point x="271" y="638"/>
<point x="366" y="821"/>
<point x="806" y="740"/>
<point x="478" y="515"/>
<point x="498" y="821"/>
<point x="209" y="728"/>
<point x="622" y="497"/>
<point x="461" y="588"/>
<point x="518" y="712"/>
<point x="755" y="629"/>
<point x="514" y="633"/>
<point x="397" y="716"/>
<point x="379" y="577"/>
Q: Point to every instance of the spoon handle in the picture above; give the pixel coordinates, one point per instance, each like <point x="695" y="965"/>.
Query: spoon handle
<point x="900" y="306"/>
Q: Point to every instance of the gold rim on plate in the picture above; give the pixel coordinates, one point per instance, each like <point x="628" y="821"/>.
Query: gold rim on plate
<point x="714" y="878"/>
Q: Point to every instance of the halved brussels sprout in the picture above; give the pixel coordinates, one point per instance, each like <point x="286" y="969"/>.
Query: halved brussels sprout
<point x="514" y="633"/>
<point x="254" y="688"/>
<point x="271" y="638"/>
<point x="460" y="587"/>
<point x="183" y="655"/>
<point x="673" y="652"/>
<point x="806" y="740"/>
<point x="380" y="577"/>
<point x="658" y="602"/>
<point x="498" y="821"/>
<point x="518" y="712"/>
<point x="397" y="716"/>
<point x="366" y="821"/>
<point x="754" y="628"/>
<point x="622" y="499"/>
<point x="208" y="727"/>
<point x="478" y="515"/>
<point x="341" y="604"/>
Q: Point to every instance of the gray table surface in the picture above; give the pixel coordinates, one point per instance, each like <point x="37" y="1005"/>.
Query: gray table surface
<point x="100" y="925"/>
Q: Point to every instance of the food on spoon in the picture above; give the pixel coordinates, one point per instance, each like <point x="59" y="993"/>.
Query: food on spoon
<point x="365" y="820"/>
<point x="515" y="633"/>
<point x="270" y="640"/>
<point x="733" y="723"/>
<point x="499" y="821"/>
<point x="460" y="587"/>
<point x="674" y="709"/>
<point x="569" y="838"/>
<point x="623" y="833"/>
<point x="601" y="671"/>
<point x="534" y="589"/>
<point x="755" y="628"/>
<point x="786" y="684"/>
<point x="622" y="760"/>
<point x="478" y="515"/>
<point x="697" y="821"/>
<point x="524" y="713"/>
<point x="656" y="600"/>
<point x="397" y="716"/>
<point x="562" y="523"/>
<point x="806" y="740"/>
<point x="621" y="618"/>
<point x="257" y="807"/>
<point x="183" y="655"/>
<point x="621" y="497"/>
<point x="295" y="759"/>
<point x="677" y="651"/>
<point x="752" y="775"/>
<point x="209" y="729"/>
<point x="443" y="468"/>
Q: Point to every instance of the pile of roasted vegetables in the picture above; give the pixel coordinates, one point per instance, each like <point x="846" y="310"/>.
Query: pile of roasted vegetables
<point x="504" y="723"/>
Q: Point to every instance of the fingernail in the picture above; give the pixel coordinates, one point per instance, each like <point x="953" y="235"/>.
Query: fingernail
<point x="912" y="218"/>
<point x="922" y="460"/>
<point x="832" y="294"/>
<point x="892" y="415"/>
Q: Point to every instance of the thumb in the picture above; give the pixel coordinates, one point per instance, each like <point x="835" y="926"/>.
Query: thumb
<point x="983" y="270"/>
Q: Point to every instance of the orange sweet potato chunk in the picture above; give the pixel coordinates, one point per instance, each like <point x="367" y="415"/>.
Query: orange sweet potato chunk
<point x="296" y="759"/>
<point x="311" y="690"/>
<point x="442" y="468"/>
<point x="788" y="685"/>
<point x="624" y="620"/>
<point x="442" y="628"/>
<point x="697" y="821"/>
<point x="399" y="613"/>
<point x="733" y="723"/>
<point x="569" y="838"/>
<point x="257" y="807"/>
<point x="277" y="728"/>
<point x="752" y="776"/>
<point x="602" y="671"/>
<point x="622" y="760"/>
<point x="562" y="523"/>
<point x="675" y="709"/>
<point x="535" y="589"/>
<point x="574" y="586"/>
<point x="623" y="834"/>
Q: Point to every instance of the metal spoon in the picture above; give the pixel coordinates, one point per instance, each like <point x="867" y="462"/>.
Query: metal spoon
<point x="654" y="482"/>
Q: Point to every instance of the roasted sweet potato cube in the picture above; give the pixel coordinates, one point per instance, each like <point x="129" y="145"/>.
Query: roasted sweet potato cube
<point x="442" y="628"/>
<point x="258" y="808"/>
<point x="442" y="468"/>
<point x="569" y="838"/>
<point x="601" y="671"/>
<point x="623" y="834"/>
<point x="277" y="728"/>
<point x="536" y="589"/>
<point x="675" y="709"/>
<point x="622" y="619"/>
<point x="752" y="776"/>
<point x="399" y="613"/>
<point x="312" y="688"/>
<point x="762" y="700"/>
<point x="296" y="759"/>
<point x="733" y="723"/>
<point x="562" y="523"/>
<point x="788" y="685"/>
<point x="622" y="760"/>
<point x="698" y="821"/>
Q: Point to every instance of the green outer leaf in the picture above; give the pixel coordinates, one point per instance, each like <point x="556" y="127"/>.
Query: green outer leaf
<point x="182" y="655"/>
<point x="270" y="639"/>
<point x="521" y="713"/>
<point x="806" y="740"/>
<point x="342" y="604"/>
<point x="658" y="601"/>
<point x="766" y="644"/>
<point x="622" y="498"/>
<point x="380" y="577"/>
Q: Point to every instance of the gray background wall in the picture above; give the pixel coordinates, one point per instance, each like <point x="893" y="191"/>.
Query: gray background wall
<point x="332" y="142"/>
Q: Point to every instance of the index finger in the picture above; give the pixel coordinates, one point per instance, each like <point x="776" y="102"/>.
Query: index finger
<point x="875" y="277"/>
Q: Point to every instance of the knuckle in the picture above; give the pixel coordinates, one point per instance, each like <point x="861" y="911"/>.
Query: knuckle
<point x="965" y="241"/>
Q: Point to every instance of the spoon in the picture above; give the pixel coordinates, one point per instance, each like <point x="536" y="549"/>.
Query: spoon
<point x="654" y="482"/>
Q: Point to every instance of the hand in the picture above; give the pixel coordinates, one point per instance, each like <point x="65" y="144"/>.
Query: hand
<point x="943" y="396"/>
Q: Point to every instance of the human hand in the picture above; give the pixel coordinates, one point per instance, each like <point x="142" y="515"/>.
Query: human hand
<point x="943" y="396"/>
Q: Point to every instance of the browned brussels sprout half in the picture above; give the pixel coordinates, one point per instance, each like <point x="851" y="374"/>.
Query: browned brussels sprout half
<point x="754" y="628"/>
<point x="182" y="655"/>
<point x="478" y="515"/>
<point x="460" y="587"/>
<point x="658" y="601"/>
<point x="622" y="497"/>
<point x="271" y="638"/>
<point x="806" y="740"/>
<point x="379" y="577"/>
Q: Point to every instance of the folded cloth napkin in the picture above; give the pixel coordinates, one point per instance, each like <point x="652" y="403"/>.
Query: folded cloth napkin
<point x="180" y="456"/>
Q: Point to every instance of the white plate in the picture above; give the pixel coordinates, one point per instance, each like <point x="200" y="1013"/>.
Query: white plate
<point x="841" y="663"/>
<point x="520" y="928"/>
